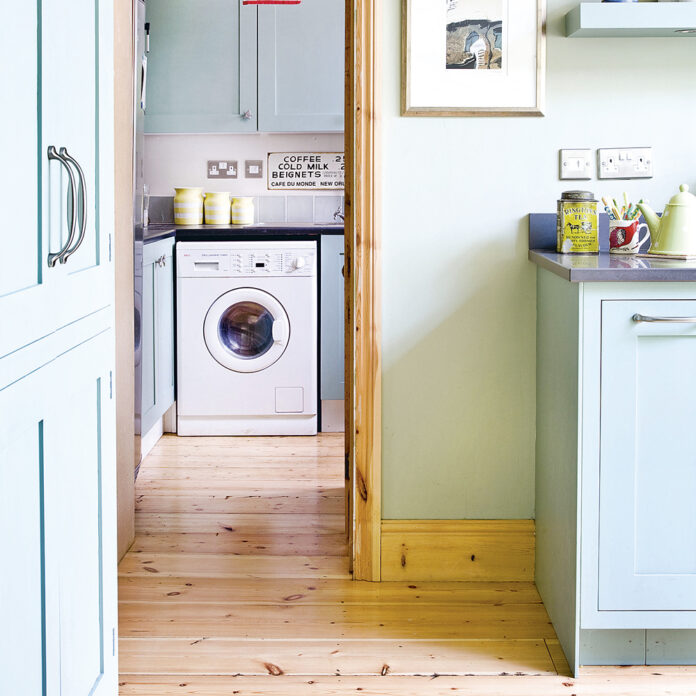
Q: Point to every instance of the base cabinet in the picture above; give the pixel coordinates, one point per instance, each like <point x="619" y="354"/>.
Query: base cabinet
<point x="157" y="332"/>
<point x="57" y="451"/>
<point x="616" y="468"/>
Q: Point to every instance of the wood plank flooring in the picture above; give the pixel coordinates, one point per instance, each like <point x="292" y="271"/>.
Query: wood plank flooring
<point x="238" y="583"/>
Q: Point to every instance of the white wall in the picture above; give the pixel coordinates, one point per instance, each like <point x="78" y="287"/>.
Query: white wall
<point x="181" y="160"/>
<point x="458" y="291"/>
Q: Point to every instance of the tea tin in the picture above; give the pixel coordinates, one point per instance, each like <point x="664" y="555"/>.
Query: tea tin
<point x="577" y="229"/>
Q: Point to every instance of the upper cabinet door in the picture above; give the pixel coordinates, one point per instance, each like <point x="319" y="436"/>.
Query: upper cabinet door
<point x="301" y="73"/>
<point x="647" y="523"/>
<point x="24" y="273"/>
<point x="201" y="67"/>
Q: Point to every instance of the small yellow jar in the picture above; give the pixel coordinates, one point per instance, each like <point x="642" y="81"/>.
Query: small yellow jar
<point x="188" y="206"/>
<point x="243" y="211"/>
<point x="217" y="208"/>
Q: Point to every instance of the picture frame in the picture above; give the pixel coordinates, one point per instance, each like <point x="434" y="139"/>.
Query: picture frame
<point x="473" y="57"/>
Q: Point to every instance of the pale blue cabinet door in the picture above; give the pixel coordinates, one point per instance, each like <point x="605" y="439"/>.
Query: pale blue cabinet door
<point x="157" y="331"/>
<point x="647" y="525"/>
<point x="332" y="307"/>
<point x="57" y="461"/>
<point x="301" y="59"/>
<point x="201" y="68"/>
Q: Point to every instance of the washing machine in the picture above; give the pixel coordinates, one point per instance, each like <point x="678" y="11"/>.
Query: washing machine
<point x="247" y="338"/>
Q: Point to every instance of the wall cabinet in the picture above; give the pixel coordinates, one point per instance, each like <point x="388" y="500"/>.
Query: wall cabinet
<point x="616" y="468"/>
<point x="157" y="331"/>
<point x="218" y="66"/>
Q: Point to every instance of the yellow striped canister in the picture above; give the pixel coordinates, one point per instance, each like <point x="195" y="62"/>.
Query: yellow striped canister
<point x="217" y="208"/>
<point x="188" y="206"/>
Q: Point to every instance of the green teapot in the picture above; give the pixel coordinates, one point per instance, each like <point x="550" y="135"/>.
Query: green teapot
<point x="673" y="234"/>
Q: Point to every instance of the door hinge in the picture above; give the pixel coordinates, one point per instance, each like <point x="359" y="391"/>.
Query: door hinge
<point x="109" y="247"/>
<point x="113" y="642"/>
<point x="111" y="384"/>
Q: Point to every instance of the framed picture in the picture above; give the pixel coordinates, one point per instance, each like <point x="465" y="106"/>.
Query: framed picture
<point x="473" y="57"/>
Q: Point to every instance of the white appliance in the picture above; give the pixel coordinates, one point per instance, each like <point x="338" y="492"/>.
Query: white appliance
<point x="246" y="338"/>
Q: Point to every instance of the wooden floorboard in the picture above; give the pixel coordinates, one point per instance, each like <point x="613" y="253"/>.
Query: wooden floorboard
<point x="238" y="583"/>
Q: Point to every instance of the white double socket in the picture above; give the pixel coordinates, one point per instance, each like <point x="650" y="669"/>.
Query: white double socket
<point x="625" y="163"/>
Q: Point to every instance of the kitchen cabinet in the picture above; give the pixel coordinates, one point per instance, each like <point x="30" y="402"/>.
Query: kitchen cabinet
<point x="616" y="469"/>
<point x="218" y="66"/>
<point x="57" y="416"/>
<point x="57" y="445"/>
<point x="201" y="67"/>
<point x="332" y="375"/>
<point x="157" y="331"/>
<point x="301" y="59"/>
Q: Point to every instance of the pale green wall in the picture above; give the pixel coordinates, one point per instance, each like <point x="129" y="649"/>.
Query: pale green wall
<point x="458" y="291"/>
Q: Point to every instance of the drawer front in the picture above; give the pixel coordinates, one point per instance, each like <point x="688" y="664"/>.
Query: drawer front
<point x="647" y="515"/>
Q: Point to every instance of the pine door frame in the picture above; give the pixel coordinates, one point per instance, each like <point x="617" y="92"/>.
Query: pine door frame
<point x="363" y="319"/>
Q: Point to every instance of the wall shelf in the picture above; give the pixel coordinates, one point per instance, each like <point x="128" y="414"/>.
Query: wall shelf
<point x="596" y="19"/>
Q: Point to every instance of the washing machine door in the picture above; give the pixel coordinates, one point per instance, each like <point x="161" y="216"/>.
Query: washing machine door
<point x="246" y="330"/>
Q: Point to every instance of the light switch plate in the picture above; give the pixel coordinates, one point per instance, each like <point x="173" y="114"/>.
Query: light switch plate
<point x="625" y="163"/>
<point x="575" y="164"/>
<point x="253" y="169"/>
<point x="222" y="169"/>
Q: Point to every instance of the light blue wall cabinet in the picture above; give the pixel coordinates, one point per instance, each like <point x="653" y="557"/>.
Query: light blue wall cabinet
<point x="158" y="331"/>
<point x="57" y="449"/>
<point x="201" y="68"/>
<point x="301" y="59"/>
<point x="332" y="308"/>
<point x="57" y="445"/>
<point x="616" y="469"/>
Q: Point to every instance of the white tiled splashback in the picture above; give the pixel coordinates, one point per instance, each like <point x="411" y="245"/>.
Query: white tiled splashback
<point x="269" y="209"/>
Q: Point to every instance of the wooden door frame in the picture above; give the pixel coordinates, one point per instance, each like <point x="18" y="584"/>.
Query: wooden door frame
<point x="363" y="376"/>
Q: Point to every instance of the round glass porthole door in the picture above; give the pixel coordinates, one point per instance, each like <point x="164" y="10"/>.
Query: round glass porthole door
<point x="246" y="330"/>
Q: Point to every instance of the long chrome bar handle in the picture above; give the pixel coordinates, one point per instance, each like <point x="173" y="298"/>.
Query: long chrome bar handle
<point x="664" y="320"/>
<point x="54" y="258"/>
<point x="83" y="191"/>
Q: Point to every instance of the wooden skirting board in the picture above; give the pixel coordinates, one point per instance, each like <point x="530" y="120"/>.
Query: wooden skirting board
<point x="491" y="550"/>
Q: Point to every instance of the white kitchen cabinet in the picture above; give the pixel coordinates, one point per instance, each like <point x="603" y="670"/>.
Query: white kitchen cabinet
<point x="157" y="331"/>
<point x="616" y="470"/>
<point x="57" y="467"/>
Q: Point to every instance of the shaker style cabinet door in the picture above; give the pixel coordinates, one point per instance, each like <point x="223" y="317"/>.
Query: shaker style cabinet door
<point x="55" y="267"/>
<point x="647" y="518"/>
<point x="201" y="68"/>
<point x="57" y="468"/>
<point x="332" y="328"/>
<point x="157" y="332"/>
<point x="301" y="73"/>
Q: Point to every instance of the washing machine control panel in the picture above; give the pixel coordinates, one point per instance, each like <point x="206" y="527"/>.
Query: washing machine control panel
<point x="268" y="262"/>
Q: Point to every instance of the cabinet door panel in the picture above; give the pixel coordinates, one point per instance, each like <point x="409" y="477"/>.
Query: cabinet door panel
<point x="201" y="67"/>
<point x="148" y="339"/>
<point x="301" y="58"/>
<point x="23" y="269"/>
<point x="165" y="328"/>
<point x="332" y="307"/>
<point x="647" y="525"/>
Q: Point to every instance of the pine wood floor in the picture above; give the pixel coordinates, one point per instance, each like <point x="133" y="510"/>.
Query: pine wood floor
<point x="238" y="583"/>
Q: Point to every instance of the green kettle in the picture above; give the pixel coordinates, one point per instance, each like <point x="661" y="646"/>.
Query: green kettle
<point x="673" y="234"/>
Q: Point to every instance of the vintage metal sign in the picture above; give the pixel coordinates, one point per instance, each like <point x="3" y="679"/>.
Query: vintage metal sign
<point x="306" y="170"/>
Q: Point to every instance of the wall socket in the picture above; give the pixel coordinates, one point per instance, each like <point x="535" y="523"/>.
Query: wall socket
<point x="222" y="169"/>
<point x="625" y="163"/>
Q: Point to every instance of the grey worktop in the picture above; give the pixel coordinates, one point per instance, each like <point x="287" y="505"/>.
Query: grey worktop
<point x="603" y="267"/>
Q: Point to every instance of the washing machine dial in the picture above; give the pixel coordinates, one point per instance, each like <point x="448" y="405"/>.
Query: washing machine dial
<point x="298" y="262"/>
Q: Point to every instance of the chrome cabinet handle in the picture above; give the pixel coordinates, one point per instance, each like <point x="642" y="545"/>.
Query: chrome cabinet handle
<point x="161" y="261"/>
<point x="664" y="320"/>
<point x="247" y="115"/>
<point x="83" y="190"/>
<point x="54" y="258"/>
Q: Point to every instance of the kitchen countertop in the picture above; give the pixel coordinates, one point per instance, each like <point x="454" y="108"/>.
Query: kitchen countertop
<point x="603" y="267"/>
<point x="256" y="232"/>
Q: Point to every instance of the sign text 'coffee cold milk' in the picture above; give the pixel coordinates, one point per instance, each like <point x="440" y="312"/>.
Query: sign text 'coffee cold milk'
<point x="306" y="170"/>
